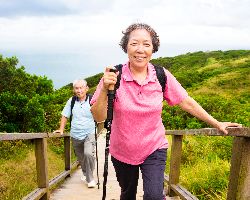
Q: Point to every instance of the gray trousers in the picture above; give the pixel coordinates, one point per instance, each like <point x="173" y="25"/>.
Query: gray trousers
<point x="85" y="153"/>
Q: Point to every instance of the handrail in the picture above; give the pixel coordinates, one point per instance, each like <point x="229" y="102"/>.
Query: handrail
<point x="239" y="180"/>
<point x="40" y="140"/>
<point x="232" y="131"/>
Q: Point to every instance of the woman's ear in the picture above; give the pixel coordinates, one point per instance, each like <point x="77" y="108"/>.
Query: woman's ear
<point x="87" y="88"/>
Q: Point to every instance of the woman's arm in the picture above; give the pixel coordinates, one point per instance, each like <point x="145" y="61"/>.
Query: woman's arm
<point x="192" y="107"/>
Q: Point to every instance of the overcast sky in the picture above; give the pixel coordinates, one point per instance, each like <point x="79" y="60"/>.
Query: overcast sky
<point x="69" y="39"/>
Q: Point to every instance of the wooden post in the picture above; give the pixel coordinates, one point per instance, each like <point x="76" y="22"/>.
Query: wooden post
<point x="175" y="161"/>
<point x="239" y="180"/>
<point x="67" y="153"/>
<point x="42" y="165"/>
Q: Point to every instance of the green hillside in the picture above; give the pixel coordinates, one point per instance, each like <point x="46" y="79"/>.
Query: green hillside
<point x="223" y="73"/>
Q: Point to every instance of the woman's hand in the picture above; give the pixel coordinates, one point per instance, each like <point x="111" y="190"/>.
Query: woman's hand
<point x="222" y="126"/>
<point x="109" y="78"/>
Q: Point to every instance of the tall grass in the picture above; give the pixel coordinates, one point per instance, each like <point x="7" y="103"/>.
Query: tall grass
<point x="205" y="165"/>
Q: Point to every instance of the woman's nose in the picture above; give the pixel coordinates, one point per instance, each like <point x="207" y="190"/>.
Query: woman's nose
<point x="140" y="48"/>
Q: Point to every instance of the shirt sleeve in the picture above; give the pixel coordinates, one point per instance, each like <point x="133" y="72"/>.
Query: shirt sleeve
<point x="97" y="92"/>
<point x="174" y="92"/>
<point x="67" y="109"/>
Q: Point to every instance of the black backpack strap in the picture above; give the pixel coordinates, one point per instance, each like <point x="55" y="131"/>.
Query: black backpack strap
<point x="119" y="69"/>
<point x="73" y="100"/>
<point x="88" y="96"/>
<point x="162" y="78"/>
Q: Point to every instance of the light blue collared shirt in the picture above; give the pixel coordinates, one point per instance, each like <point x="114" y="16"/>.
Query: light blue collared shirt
<point x="82" y="123"/>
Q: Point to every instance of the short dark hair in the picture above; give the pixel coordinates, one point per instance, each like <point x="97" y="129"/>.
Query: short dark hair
<point x="132" y="27"/>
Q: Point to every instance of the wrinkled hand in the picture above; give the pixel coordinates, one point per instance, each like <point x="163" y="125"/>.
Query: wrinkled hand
<point x="58" y="131"/>
<point x="222" y="126"/>
<point x="109" y="78"/>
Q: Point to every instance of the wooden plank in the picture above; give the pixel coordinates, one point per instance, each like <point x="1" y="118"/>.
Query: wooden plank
<point x="36" y="194"/>
<point x="59" y="178"/>
<point x="179" y="190"/>
<point x="42" y="165"/>
<point x="232" y="131"/>
<point x="53" y="135"/>
<point x="21" y="136"/>
<point x="182" y="192"/>
<point x="175" y="161"/>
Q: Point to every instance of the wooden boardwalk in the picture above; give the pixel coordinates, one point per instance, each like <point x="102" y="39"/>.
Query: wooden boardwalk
<point x="75" y="189"/>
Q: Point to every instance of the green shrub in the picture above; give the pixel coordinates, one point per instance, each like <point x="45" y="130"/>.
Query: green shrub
<point x="206" y="180"/>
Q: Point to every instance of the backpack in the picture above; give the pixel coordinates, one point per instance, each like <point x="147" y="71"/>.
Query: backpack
<point x="73" y="100"/>
<point x="159" y="73"/>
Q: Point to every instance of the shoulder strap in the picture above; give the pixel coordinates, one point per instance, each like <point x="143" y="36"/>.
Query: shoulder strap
<point x="161" y="76"/>
<point x="119" y="69"/>
<point x="90" y="97"/>
<point x="73" y="100"/>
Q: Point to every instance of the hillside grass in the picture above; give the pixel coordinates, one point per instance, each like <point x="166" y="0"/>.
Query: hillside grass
<point x="232" y="83"/>
<point x="205" y="165"/>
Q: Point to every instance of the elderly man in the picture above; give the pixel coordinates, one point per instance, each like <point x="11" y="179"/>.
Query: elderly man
<point x="82" y="130"/>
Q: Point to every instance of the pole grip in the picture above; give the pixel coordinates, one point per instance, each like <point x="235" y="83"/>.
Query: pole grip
<point x="112" y="87"/>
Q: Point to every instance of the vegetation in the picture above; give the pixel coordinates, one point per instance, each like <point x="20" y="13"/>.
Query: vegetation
<point x="218" y="80"/>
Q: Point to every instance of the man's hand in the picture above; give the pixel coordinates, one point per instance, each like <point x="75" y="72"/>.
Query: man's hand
<point x="58" y="131"/>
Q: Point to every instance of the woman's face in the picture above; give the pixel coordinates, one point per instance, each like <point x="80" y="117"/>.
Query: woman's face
<point x="140" y="48"/>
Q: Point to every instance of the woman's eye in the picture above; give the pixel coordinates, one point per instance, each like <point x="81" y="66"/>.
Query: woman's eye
<point x="134" y="44"/>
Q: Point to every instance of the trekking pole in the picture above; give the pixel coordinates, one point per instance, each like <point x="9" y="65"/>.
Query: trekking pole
<point x="96" y="153"/>
<point x="108" y="122"/>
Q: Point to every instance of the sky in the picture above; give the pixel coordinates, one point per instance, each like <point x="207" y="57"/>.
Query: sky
<point x="66" y="40"/>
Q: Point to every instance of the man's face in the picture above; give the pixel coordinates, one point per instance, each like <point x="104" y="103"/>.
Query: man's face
<point x="80" y="90"/>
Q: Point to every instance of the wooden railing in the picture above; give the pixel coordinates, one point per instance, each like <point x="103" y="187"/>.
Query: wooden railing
<point x="40" y="140"/>
<point x="239" y="180"/>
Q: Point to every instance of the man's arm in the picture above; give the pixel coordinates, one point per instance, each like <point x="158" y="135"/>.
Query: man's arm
<point x="62" y="125"/>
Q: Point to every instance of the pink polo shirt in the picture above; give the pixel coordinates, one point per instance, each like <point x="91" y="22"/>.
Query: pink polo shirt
<point x="137" y="129"/>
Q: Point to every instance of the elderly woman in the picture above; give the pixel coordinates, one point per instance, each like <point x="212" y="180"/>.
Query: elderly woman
<point x="138" y="135"/>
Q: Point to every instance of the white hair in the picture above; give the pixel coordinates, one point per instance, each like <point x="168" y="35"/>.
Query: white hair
<point x="81" y="81"/>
